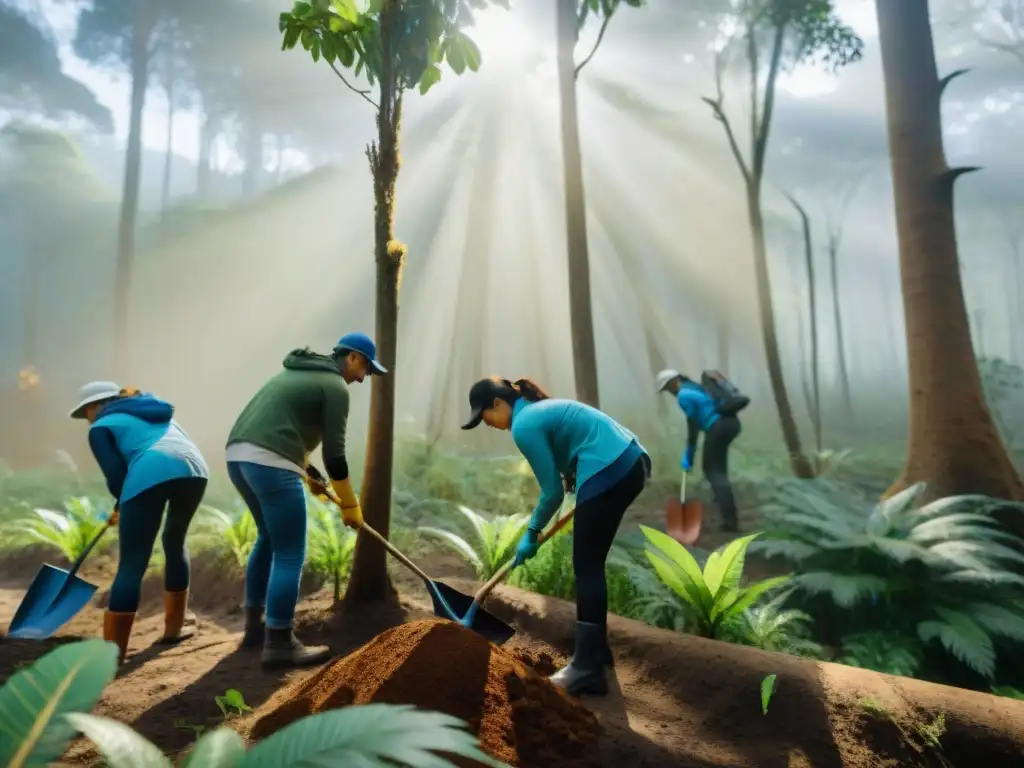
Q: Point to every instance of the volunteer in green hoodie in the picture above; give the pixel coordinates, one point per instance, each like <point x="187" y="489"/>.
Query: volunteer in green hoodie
<point x="268" y="449"/>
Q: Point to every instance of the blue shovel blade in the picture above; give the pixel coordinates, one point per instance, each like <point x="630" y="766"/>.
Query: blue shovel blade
<point x="52" y="600"/>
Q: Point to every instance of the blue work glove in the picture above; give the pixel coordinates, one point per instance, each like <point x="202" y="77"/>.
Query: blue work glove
<point x="527" y="548"/>
<point x="687" y="462"/>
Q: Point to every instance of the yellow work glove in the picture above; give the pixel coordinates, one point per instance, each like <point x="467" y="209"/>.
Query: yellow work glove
<point x="351" y="512"/>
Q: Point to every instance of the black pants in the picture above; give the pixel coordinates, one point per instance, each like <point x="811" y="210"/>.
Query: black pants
<point x="597" y="522"/>
<point x="139" y="524"/>
<point x="716" y="465"/>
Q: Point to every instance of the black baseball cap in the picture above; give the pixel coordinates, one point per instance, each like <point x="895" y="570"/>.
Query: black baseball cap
<point x="482" y="395"/>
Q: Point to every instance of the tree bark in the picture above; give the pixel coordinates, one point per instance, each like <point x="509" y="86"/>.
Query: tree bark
<point x="145" y="18"/>
<point x="769" y="336"/>
<point x="370" y="582"/>
<point x="812" y="316"/>
<point x="170" y="77"/>
<point x="584" y="347"/>
<point x="954" y="445"/>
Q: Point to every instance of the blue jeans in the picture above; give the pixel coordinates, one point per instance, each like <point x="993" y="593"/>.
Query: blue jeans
<point x="278" y="505"/>
<point x="138" y="526"/>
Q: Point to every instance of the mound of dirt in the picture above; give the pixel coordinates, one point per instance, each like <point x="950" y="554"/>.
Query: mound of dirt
<point x="519" y="717"/>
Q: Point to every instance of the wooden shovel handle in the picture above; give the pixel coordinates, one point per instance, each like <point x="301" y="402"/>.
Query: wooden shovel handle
<point x="319" y="487"/>
<point x="497" y="578"/>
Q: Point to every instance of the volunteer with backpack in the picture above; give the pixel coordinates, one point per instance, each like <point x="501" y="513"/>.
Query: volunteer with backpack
<point x="299" y="408"/>
<point x="716" y="418"/>
<point x="150" y="464"/>
<point x="572" y="446"/>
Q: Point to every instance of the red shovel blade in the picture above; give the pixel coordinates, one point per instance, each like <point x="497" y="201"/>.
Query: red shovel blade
<point x="683" y="520"/>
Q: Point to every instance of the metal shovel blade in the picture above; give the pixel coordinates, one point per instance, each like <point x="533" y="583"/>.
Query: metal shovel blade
<point x="683" y="520"/>
<point x="52" y="600"/>
<point x="486" y="624"/>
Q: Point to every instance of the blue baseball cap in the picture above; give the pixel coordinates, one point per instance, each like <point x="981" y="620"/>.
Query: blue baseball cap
<point x="363" y="344"/>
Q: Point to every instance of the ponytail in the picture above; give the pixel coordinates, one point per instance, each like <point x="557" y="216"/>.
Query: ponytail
<point x="530" y="390"/>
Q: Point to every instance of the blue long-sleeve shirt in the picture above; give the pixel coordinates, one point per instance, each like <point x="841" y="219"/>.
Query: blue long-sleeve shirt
<point x="137" y="445"/>
<point x="701" y="412"/>
<point x="565" y="437"/>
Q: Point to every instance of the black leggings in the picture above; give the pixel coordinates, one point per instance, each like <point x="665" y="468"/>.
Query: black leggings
<point x="716" y="464"/>
<point x="597" y="522"/>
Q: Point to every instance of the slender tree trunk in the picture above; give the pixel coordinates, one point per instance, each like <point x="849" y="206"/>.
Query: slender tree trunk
<point x="253" y="151"/>
<point x="837" y="315"/>
<point x="203" y="165"/>
<point x="170" y="77"/>
<point x="954" y="445"/>
<point x="769" y="335"/>
<point x="370" y="582"/>
<point x="812" y="316"/>
<point x="584" y="348"/>
<point x="145" y="18"/>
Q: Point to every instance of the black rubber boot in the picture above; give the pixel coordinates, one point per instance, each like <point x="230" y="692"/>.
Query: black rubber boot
<point x="283" y="649"/>
<point x="585" y="672"/>
<point x="255" y="629"/>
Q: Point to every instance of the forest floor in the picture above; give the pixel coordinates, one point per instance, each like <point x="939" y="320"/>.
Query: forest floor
<point x="676" y="700"/>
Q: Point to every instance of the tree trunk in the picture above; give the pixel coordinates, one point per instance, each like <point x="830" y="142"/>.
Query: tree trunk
<point x="801" y="465"/>
<point x="837" y="315"/>
<point x="252" y="150"/>
<point x="954" y="445"/>
<point x="203" y="165"/>
<point x="812" y="316"/>
<point x="584" y="348"/>
<point x="370" y="582"/>
<point x="145" y="18"/>
<point x="169" y="83"/>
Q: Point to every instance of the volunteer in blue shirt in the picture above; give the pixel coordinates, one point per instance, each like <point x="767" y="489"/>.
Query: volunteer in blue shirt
<point x="719" y="431"/>
<point x="150" y="464"/>
<point x="571" y="446"/>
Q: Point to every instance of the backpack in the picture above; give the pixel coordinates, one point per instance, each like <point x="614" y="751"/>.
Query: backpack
<point x="728" y="399"/>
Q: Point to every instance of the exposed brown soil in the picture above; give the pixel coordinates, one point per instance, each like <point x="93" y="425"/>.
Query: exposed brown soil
<point x="676" y="701"/>
<point x="519" y="717"/>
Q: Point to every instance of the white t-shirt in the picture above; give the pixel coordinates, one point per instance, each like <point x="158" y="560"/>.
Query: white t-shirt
<point x="255" y="454"/>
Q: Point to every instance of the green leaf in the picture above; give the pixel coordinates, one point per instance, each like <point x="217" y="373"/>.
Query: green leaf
<point x="455" y="56"/>
<point x="314" y="49"/>
<point x="767" y="689"/>
<point x="120" y="746"/>
<point x="346" y="9"/>
<point x="470" y="52"/>
<point x="291" y="37"/>
<point x="682" y="586"/>
<point x="684" y="561"/>
<point x="222" y="748"/>
<point x="369" y="735"/>
<point x="70" y="678"/>
<point x="963" y="638"/>
<point x="431" y="77"/>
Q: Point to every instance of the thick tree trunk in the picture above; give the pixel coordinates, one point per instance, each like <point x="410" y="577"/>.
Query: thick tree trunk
<point x="584" y="348"/>
<point x="370" y="582"/>
<point x="801" y="465"/>
<point x="145" y="18"/>
<point x="954" y="445"/>
<point x="837" y="316"/>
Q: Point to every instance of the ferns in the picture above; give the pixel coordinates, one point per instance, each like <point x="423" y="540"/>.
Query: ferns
<point x="943" y="570"/>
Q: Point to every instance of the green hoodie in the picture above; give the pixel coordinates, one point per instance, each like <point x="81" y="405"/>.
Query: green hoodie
<point x="297" y="409"/>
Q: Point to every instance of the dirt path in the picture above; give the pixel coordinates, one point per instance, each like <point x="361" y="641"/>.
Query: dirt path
<point x="676" y="701"/>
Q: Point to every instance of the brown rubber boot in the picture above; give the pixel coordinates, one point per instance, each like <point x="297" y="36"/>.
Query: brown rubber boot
<point x="283" y="649"/>
<point x="179" y="623"/>
<point x="117" y="628"/>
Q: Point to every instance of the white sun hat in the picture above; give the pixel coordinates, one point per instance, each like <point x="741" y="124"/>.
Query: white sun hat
<point x="664" y="377"/>
<point x="93" y="392"/>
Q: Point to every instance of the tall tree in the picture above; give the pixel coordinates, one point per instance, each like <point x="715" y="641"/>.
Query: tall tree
<point x="398" y="44"/>
<point x="954" y="445"/>
<point x="812" y="318"/>
<point x="773" y="35"/>
<point x="572" y="16"/>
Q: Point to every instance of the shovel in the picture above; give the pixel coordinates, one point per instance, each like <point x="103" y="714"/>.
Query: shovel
<point x="492" y="625"/>
<point x="683" y="518"/>
<point x="480" y="621"/>
<point x="53" y="598"/>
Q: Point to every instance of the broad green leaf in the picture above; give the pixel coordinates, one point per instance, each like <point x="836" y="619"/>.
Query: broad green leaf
<point x="70" y="678"/>
<point x="119" y="744"/>
<point x="767" y="689"/>
<point x="431" y="77"/>
<point x="753" y="593"/>
<point x="680" y="583"/>
<point x="291" y="37"/>
<point x="732" y="560"/>
<point x="346" y="9"/>
<point x="471" y="52"/>
<point x="369" y="735"/>
<point x="222" y="748"/>
<point x="677" y="554"/>
<point x="455" y="56"/>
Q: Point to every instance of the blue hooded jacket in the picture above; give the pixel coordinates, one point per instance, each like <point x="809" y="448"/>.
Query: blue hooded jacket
<point x="138" y="445"/>
<point x="562" y="437"/>
<point x="701" y="413"/>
